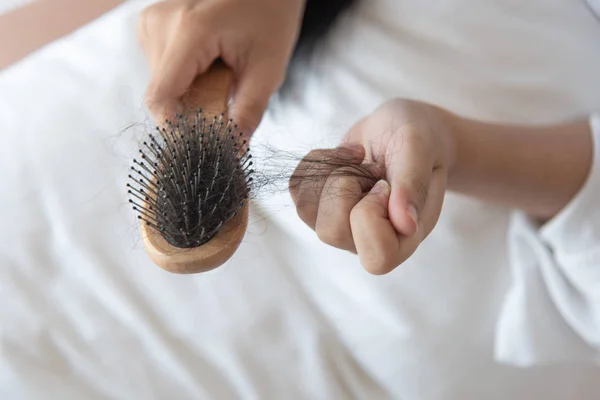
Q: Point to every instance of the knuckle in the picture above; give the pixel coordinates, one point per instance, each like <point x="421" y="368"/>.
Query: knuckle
<point x="341" y="191"/>
<point x="313" y="165"/>
<point x="317" y="154"/>
<point x="182" y="20"/>
<point x="320" y="160"/>
<point x="416" y="139"/>
<point x="354" y="180"/>
<point x="150" y="99"/>
<point x="305" y="206"/>
<point x="334" y="235"/>
<point x="142" y="25"/>
<point x="376" y="262"/>
<point x="150" y="16"/>
<point x="295" y="182"/>
<point x="335" y="185"/>
<point x="146" y="13"/>
<point x="191" y="21"/>
<point x="305" y="213"/>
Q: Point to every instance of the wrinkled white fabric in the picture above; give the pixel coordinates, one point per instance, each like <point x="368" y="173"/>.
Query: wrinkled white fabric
<point x="552" y="311"/>
<point x="490" y="306"/>
<point x="594" y="6"/>
<point x="9" y="5"/>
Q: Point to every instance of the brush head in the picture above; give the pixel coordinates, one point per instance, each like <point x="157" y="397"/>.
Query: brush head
<point x="190" y="188"/>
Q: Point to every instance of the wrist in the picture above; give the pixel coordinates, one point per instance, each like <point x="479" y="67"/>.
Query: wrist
<point x="452" y="138"/>
<point x="537" y="169"/>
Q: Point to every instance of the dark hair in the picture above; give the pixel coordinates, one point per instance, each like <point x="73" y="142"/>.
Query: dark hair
<point x="319" y="17"/>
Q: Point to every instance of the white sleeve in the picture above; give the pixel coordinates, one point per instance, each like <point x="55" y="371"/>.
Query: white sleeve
<point x="552" y="310"/>
<point x="594" y="6"/>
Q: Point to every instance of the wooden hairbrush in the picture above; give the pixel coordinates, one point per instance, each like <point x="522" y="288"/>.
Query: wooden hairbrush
<point x="191" y="186"/>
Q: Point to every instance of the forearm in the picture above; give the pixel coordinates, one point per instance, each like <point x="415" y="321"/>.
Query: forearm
<point x="536" y="169"/>
<point x="28" y="28"/>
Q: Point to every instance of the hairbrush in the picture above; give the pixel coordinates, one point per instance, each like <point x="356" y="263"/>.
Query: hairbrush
<point x="190" y="186"/>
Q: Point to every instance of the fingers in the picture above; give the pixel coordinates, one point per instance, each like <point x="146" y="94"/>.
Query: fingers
<point x="255" y="86"/>
<point x="377" y="242"/>
<point x="312" y="174"/>
<point x="150" y="21"/>
<point x="409" y="166"/>
<point x="379" y="246"/>
<point x="180" y="64"/>
<point x="178" y="47"/>
<point x="386" y="224"/>
<point x="336" y="202"/>
<point x="344" y="188"/>
<point x="182" y="40"/>
<point x="166" y="89"/>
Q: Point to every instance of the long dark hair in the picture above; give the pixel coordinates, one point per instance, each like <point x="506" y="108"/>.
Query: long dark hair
<point x="319" y="17"/>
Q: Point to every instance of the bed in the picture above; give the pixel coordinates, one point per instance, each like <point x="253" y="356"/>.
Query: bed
<point x="84" y="314"/>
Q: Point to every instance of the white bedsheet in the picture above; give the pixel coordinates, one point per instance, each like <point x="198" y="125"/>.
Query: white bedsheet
<point x="85" y="315"/>
<point x="9" y="5"/>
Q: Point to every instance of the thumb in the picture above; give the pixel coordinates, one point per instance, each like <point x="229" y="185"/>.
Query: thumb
<point x="254" y="89"/>
<point x="375" y="239"/>
<point x="409" y="173"/>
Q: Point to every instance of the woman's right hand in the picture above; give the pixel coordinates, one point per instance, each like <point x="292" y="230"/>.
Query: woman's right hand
<point x="255" y="38"/>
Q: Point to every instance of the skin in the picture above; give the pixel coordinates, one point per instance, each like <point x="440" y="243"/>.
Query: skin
<point x="182" y="38"/>
<point x="417" y="151"/>
<point x="421" y="151"/>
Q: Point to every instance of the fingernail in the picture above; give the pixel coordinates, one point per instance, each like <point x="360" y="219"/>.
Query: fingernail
<point x="412" y="212"/>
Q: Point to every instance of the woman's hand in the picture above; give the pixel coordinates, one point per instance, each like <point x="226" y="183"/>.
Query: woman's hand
<point x="408" y="147"/>
<point x="418" y="151"/>
<point x="182" y="38"/>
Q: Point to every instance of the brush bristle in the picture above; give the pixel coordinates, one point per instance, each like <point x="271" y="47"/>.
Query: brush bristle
<point x="192" y="177"/>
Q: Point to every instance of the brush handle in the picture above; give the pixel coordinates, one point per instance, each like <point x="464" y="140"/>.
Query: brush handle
<point x="199" y="259"/>
<point x="210" y="92"/>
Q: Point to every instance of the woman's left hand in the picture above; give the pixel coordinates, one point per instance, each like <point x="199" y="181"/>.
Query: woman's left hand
<point x="405" y="144"/>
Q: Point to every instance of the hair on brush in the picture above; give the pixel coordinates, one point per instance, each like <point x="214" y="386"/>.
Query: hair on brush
<point x="191" y="179"/>
<point x="191" y="185"/>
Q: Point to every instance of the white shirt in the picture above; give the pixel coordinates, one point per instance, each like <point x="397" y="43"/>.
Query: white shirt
<point x="488" y="287"/>
<point x="489" y="307"/>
